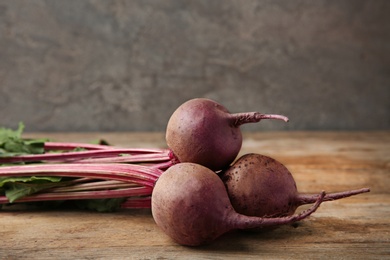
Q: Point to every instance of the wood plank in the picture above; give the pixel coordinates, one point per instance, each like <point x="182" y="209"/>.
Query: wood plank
<point x="352" y="228"/>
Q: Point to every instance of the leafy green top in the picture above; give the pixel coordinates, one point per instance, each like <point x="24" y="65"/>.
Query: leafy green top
<point x="12" y="143"/>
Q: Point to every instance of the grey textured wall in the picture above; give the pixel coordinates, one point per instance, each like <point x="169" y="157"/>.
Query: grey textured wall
<point x="126" y="65"/>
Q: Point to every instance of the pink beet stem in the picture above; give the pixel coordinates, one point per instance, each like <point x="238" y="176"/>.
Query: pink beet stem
<point x="138" y="158"/>
<point x="247" y="222"/>
<point x="163" y="165"/>
<point x="55" y="146"/>
<point x="67" y="146"/>
<point x="79" y="155"/>
<point x="137" y="203"/>
<point x="94" y="185"/>
<point x="303" y="199"/>
<point x="254" y="117"/>
<point x="77" y="195"/>
<point x="139" y="174"/>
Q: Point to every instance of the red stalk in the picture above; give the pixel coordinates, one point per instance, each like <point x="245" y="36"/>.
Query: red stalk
<point x="94" y="185"/>
<point x="138" y="158"/>
<point x="101" y="171"/>
<point x="53" y="146"/>
<point x="138" y="174"/>
<point x="68" y="146"/>
<point x="66" y="156"/>
<point x="77" y="195"/>
<point x="134" y="203"/>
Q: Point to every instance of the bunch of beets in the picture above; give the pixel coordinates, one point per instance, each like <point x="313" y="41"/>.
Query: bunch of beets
<point x="197" y="188"/>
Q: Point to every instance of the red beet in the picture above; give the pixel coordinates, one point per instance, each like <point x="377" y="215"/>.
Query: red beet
<point x="191" y="205"/>
<point x="204" y="132"/>
<point x="260" y="186"/>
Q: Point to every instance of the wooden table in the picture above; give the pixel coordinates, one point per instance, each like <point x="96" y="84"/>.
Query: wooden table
<point x="353" y="228"/>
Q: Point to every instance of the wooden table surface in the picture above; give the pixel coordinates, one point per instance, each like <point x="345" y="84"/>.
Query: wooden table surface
<point x="353" y="228"/>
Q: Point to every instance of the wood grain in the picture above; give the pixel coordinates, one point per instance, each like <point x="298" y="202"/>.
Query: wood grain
<point x="352" y="228"/>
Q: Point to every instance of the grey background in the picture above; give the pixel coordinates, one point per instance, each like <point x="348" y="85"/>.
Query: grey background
<point x="126" y="65"/>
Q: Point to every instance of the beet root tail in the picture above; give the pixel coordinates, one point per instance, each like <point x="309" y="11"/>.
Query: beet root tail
<point x="303" y="199"/>
<point x="254" y="117"/>
<point x="271" y="116"/>
<point x="248" y="222"/>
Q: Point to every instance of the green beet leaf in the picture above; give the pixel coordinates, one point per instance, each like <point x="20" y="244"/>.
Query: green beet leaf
<point x="12" y="143"/>
<point x="15" y="188"/>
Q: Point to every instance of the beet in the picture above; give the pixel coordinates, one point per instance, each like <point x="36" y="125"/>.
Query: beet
<point x="260" y="186"/>
<point x="191" y="205"/>
<point x="204" y="132"/>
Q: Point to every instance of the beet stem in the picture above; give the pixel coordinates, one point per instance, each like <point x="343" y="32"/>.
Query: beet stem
<point x="138" y="158"/>
<point x="78" y="155"/>
<point x="303" y="199"/>
<point x="94" y="185"/>
<point x="137" y="203"/>
<point x="78" y="195"/>
<point x="139" y="174"/>
<point x="67" y="146"/>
